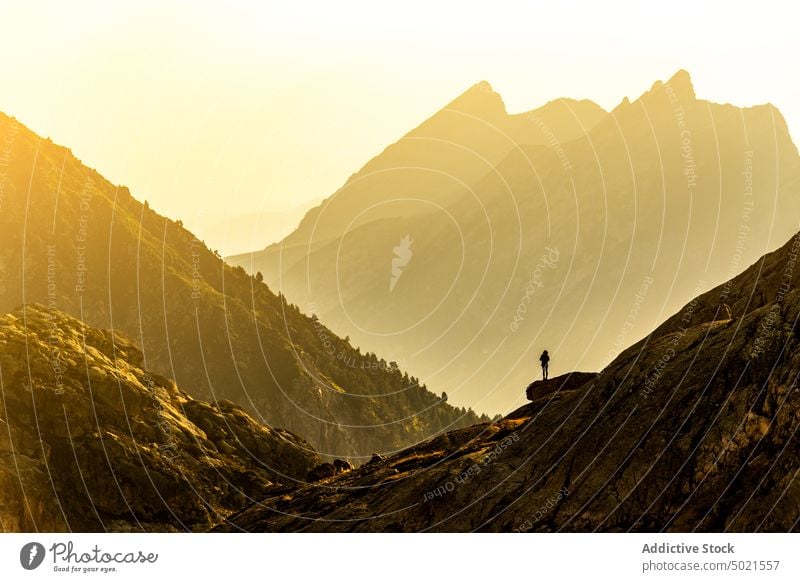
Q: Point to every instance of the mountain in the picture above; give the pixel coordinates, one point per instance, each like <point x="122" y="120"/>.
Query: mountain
<point x="694" y="428"/>
<point x="92" y="441"/>
<point x="573" y="237"/>
<point x="431" y="164"/>
<point x="72" y="241"/>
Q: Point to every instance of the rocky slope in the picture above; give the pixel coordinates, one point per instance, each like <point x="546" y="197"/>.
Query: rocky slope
<point x="72" y="241"/>
<point x="581" y="243"/>
<point x="694" y="428"/>
<point x="92" y="441"/>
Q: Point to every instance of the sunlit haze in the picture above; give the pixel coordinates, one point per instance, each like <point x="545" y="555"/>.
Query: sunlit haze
<point x="273" y="105"/>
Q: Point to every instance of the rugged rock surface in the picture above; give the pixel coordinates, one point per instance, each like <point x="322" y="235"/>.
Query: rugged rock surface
<point x="327" y="470"/>
<point x="91" y="441"/>
<point x="541" y="388"/>
<point x="693" y="428"/>
<point x="72" y="241"/>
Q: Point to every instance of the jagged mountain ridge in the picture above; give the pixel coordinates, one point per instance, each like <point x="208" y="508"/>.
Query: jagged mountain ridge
<point x="693" y="428"/>
<point x="72" y="241"/>
<point x="92" y="441"/>
<point x="580" y="245"/>
<point x="454" y="147"/>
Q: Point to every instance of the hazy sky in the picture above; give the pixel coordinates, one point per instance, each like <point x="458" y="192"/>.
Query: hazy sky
<point x="223" y="107"/>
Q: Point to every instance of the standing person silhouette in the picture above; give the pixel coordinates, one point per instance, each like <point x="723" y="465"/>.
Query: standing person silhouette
<point x="545" y="360"/>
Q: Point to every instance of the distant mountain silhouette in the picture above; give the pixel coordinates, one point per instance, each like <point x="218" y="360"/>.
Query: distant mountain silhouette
<point x="565" y="228"/>
<point x="435" y="161"/>
<point x="72" y="241"/>
<point x="239" y="233"/>
<point x="92" y="441"/>
<point x="694" y="428"/>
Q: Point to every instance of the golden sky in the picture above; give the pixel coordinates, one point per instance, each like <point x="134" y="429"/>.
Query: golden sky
<point x="194" y="105"/>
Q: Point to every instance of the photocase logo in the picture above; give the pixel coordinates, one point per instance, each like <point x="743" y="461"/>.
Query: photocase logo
<point x="31" y="555"/>
<point x="402" y="255"/>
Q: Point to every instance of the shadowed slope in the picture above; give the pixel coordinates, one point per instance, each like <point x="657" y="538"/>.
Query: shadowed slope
<point x="72" y="241"/>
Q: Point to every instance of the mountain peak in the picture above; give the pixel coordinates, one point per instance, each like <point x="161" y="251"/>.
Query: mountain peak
<point x="480" y="99"/>
<point x="483" y="86"/>
<point x="680" y="84"/>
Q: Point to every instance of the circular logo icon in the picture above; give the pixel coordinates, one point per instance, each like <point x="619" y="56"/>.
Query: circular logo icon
<point x="31" y="555"/>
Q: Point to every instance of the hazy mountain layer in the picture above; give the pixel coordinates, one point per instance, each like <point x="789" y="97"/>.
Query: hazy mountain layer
<point x="693" y="428"/>
<point x="239" y="233"/>
<point x="92" y="441"/>
<point x="579" y="243"/>
<point x="72" y="241"/>
<point x="431" y="164"/>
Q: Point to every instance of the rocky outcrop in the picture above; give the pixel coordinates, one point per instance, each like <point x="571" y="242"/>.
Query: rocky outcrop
<point x="92" y="441"/>
<point x="694" y="428"/>
<point x="541" y="388"/>
<point x="328" y="470"/>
